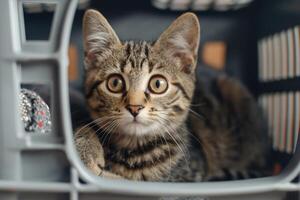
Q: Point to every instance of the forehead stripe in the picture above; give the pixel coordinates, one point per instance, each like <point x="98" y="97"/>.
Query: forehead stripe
<point x="142" y="62"/>
<point x="179" y="86"/>
<point x="128" y="48"/>
<point x="122" y="65"/>
<point x="132" y="62"/>
<point x="159" y="67"/>
<point x="175" y="99"/>
<point x="146" y="51"/>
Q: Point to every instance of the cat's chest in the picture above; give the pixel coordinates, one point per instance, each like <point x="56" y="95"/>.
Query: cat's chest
<point x="151" y="162"/>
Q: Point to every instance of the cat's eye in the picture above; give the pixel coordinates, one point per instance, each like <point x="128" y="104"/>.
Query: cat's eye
<point x="115" y="83"/>
<point x="158" y="84"/>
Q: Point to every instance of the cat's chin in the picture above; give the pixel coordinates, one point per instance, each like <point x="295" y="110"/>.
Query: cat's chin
<point x="138" y="128"/>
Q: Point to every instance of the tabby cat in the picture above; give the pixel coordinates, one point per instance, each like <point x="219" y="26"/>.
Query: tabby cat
<point x="151" y="122"/>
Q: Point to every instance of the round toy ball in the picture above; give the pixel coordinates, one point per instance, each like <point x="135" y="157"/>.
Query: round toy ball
<point x="35" y="113"/>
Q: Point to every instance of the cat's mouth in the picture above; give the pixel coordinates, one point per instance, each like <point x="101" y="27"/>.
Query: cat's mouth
<point x="136" y="121"/>
<point x="136" y="126"/>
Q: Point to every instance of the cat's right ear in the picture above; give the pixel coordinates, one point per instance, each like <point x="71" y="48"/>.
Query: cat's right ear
<point x="98" y="36"/>
<point x="181" y="41"/>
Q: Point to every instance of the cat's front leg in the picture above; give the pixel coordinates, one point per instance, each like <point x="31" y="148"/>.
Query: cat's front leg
<point x="91" y="152"/>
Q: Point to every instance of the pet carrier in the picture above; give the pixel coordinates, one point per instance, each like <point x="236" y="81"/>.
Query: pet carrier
<point x="46" y="166"/>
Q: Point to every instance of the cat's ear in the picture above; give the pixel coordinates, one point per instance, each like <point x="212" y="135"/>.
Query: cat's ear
<point x="98" y="35"/>
<point x="181" y="40"/>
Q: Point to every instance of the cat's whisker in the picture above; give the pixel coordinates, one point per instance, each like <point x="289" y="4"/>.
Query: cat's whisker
<point x="102" y="126"/>
<point x="115" y="128"/>
<point x="103" y="133"/>
<point x="182" y="142"/>
<point x="107" y="123"/>
<point x="198" y="105"/>
<point x="195" y="137"/>
<point x="197" y="114"/>
<point x="106" y="130"/>
<point x="87" y="126"/>
<point x="172" y="137"/>
<point x="111" y="128"/>
<point x="174" y="130"/>
<point x="169" y="150"/>
<point x="178" y="145"/>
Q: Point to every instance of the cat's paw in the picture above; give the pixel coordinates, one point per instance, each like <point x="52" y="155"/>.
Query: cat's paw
<point x="90" y="150"/>
<point x="95" y="165"/>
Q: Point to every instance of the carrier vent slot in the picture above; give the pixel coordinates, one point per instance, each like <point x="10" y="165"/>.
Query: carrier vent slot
<point x="282" y="111"/>
<point x="279" y="56"/>
<point x="38" y="18"/>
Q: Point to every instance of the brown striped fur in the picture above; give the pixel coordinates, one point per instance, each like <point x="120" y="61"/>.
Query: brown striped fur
<point x="158" y="142"/>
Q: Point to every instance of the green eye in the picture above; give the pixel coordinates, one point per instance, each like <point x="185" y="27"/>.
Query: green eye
<point x="158" y="84"/>
<point x="115" y="83"/>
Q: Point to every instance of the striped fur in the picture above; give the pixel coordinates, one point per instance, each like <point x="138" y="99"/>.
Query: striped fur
<point x="155" y="144"/>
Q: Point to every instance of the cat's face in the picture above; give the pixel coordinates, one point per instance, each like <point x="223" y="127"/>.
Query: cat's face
<point x="140" y="88"/>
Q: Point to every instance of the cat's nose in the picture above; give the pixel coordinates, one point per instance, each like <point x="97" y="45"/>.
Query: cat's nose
<point x="134" y="109"/>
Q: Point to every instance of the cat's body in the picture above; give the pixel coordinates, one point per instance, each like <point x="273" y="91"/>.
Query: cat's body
<point x="149" y="124"/>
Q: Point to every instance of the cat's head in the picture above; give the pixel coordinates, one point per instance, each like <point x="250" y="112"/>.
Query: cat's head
<point x="140" y="87"/>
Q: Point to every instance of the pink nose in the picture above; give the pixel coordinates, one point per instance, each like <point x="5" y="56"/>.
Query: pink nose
<point x="134" y="109"/>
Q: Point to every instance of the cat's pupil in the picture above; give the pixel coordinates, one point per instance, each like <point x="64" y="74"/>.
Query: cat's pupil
<point x="115" y="82"/>
<point x="157" y="83"/>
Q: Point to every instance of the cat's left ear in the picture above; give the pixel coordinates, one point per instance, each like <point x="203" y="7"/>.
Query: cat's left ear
<point x="98" y="36"/>
<point x="181" y="40"/>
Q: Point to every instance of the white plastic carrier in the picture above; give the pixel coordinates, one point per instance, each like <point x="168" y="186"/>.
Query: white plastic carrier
<point x="47" y="166"/>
